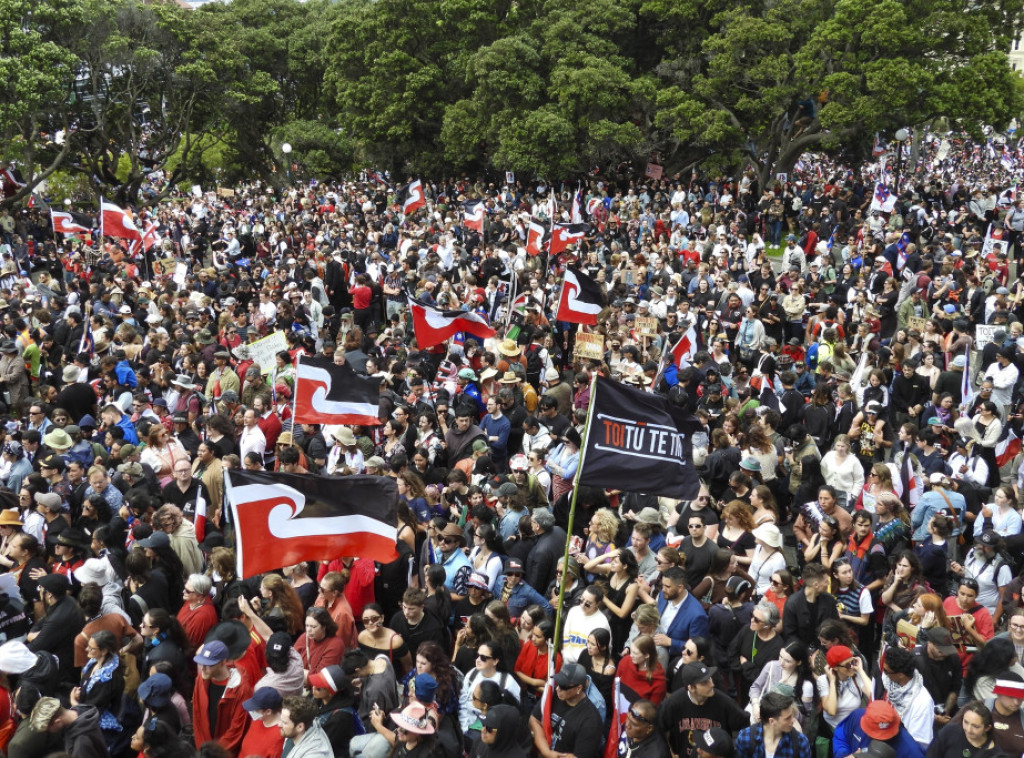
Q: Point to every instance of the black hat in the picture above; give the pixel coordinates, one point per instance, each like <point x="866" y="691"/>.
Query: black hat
<point x="234" y="635"/>
<point x="55" y="584"/>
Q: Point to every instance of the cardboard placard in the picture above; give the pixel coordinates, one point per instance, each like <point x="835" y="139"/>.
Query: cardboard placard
<point x="916" y="322"/>
<point x="225" y="192"/>
<point x="589" y="346"/>
<point x="265" y="350"/>
<point x="653" y="171"/>
<point x="983" y="334"/>
<point x="646" y="326"/>
<point x="165" y="267"/>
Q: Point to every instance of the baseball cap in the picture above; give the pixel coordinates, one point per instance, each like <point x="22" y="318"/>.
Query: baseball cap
<point x="479" y="581"/>
<point x="264" y="697"/>
<point x="328" y="678"/>
<point x="155" y="540"/>
<point x="156" y="690"/>
<point x="942" y="638"/>
<point x="514" y="566"/>
<point x="210" y="653"/>
<point x="695" y="672"/>
<point x="960" y="361"/>
<point x="424" y="686"/>
<point x="880" y="720"/>
<point x="989" y="538"/>
<point x="571" y="675"/>
<point x="715" y="741"/>
<point x="838" y="654"/>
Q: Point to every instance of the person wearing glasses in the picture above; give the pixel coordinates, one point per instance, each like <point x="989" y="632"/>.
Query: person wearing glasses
<point x="843" y="685"/>
<point x="576" y="726"/>
<point x="488" y="667"/>
<point x="639" y="738"/>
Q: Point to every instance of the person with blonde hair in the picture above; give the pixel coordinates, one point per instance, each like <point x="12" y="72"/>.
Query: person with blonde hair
<point x="843" y="471"/>
<point x="332" y="597"/>
<point x="879" y="481"/>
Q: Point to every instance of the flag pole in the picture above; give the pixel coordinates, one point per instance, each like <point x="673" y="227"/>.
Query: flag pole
<point x="568" y="532"/>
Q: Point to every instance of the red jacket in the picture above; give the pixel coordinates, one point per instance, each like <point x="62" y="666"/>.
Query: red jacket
<point x="636" y="680"/>
<point x="232" y="718"/>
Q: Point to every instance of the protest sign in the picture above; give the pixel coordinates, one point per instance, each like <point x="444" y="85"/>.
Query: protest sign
<point x="589" y="346"/>
<point x="263" y="351"/>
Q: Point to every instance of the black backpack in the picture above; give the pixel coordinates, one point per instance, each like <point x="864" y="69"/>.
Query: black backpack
<point x="534" y="363"/>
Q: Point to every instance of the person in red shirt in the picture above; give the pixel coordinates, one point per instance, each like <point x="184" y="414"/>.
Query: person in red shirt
<point x="641" y="671"/>
<point x="970" y="622"/>
<point x="264" y="738"/>
<point x="361" y="297"/>
<point x="218" y="699"/>
<point x="198" y="614"/>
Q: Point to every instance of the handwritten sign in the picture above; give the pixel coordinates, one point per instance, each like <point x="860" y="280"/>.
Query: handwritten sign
<point x="983" y="334"/>
<point x="265" y="350"/>
<point x="646" y="326"/>
<point x="225" y="192"/>
<point x="916" y="322"/>
<point x="653" y="171"/>
<point x="164" y="267"/>
<point x="590" y="346"/>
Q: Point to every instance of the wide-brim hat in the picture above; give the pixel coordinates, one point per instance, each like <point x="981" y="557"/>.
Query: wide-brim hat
<point x="345" y="436"/>
<point x="413" y="718"/>
<point x="509" y="377"/>
<point x="233" y="634"/>
<point x="71" y="373"/>
<point x="203" y="337"/>
<point x="184" y="381"/>
<point x="9" y="517"/>
<point x="58" y="439"/>
<point x="769" y="534"/>
<point x="509" y="347"/>
<point x="452" y="530"/>
<point x="651" y="516"/>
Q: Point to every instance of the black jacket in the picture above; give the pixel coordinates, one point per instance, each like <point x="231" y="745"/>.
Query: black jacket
<point x="800" y="621"/>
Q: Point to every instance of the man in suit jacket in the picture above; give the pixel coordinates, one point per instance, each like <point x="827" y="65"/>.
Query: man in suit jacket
<point x="682" y="615"/>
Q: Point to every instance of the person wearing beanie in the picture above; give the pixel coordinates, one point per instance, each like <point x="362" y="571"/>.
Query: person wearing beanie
<point x="879" y="722"/>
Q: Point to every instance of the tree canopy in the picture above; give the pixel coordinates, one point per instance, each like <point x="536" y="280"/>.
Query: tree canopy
<point x="114" y="90"/>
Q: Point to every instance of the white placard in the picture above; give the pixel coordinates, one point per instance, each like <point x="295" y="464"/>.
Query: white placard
<point x="265" y="350"/>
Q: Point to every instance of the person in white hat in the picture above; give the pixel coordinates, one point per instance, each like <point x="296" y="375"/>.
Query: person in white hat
<point x="768" y="557"/>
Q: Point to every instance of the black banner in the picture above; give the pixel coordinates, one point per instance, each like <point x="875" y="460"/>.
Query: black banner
<point x="639" y="441"/>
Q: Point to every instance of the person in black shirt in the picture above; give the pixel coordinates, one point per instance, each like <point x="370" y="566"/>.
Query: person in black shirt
<point x="415" y="625"/>
<point x="185" y="492"/>
<point x="939" y="664"/>
<point x="697" y="707"/>
<point x="576" y="726"/>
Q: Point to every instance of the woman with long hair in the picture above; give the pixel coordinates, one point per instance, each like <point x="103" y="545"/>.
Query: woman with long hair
<point x="620" y="597"/>
<point x="766" y="511"/>
<point x="531" y="667"/>
<point x="986" y="665"/>
<point x="604" y="526"/>
<point x="736" y="532"/>
<point x="760" y="446"/>
<point x="866" y="553"/>
<point x="934" y="553"/>
<point x="282" y="608"/>
<point x="789" y="674"/>
<point x="597" y="659"/>
<point x="161" y="452"/>
<point x="475" y="633"/>
<point x="768" y="557"/>
<point x="878" y="483"/>
<point x="377" y="639"/>
<point x="319" y="645"/>
<point x="221" y="570"/>
<point x="1001" y="515"/>
<point x="826" y="545"/>
<point x="641" y="671"/>
<point x="853" y="600"/>
<point x="904" y="584"/>
<point x="842" y="471"/>
<point x="102" y="683"/>
<point x="781" y="586"/>
<point x="927" y="612"/>
<point x="298" y="580"/>
<point x="503" y="634"/>
<point x="413" y="493"/>
<point x="432" y="659"/>
<point x="486" y="556"/>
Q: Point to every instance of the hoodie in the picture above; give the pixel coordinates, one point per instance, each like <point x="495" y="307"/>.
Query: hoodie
<point x="83" y="739"/>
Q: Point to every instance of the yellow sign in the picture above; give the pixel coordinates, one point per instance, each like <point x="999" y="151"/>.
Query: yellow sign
<point x="647" y="326"/>
<point x="589" y="346"/>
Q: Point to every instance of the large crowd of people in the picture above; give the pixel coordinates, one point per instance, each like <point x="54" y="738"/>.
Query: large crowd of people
<point x="847" y="580"/>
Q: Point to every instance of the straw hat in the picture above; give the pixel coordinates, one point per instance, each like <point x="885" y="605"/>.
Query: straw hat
<point x="509" y="347"/>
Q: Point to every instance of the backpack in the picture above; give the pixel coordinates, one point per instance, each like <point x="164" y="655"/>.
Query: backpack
<point x="534" y="363"/>
<point x="812" y="356"/>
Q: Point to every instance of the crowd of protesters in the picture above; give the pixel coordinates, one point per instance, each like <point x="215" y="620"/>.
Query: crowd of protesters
<point x="847" y="579"/>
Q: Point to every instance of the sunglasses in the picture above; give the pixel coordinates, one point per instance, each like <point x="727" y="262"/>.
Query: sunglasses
<point x="482" y="657"/>
<point x="642" y="719"/>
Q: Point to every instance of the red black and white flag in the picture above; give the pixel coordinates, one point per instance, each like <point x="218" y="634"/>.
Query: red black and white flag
<point x="150" y="237"/>
<point x="326" y="393"/>
<point x="563" y="235"/>
<point x="684" y="350"/>
<point x="473" y="215"/>
<point x="535" y="238"/>
<point x="69" y="222"/>
<point x="12" y="181"/>
<point x="411" y="197"/>
<point x="117" y="222"/>
<point x="434" y="325"/>
<point x="581" y="299"/>
<point x="283" y="519"/>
